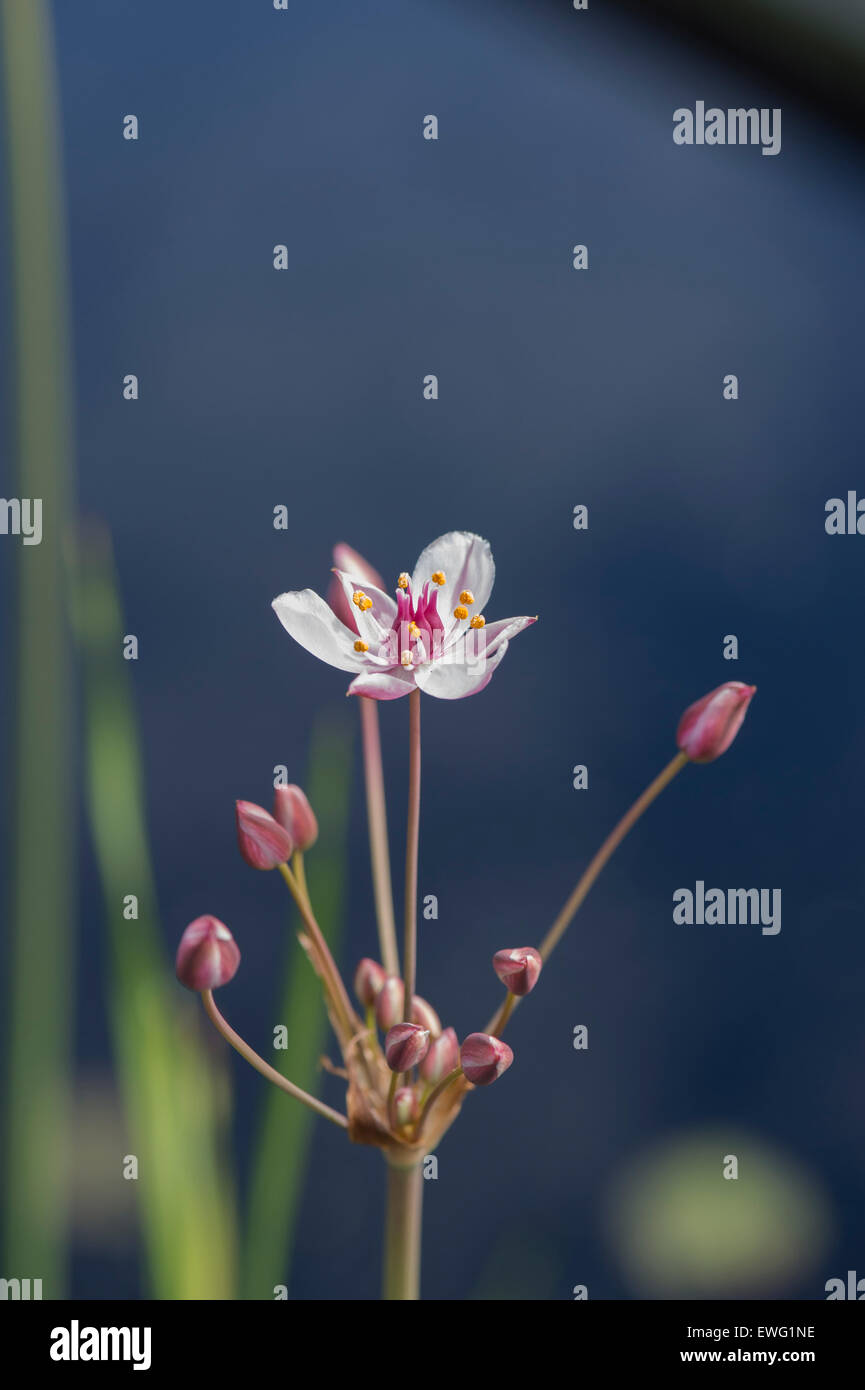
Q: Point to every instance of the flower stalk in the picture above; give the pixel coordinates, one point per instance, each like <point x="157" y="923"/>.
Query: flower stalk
<point x="411" y="855"/>
<point x="379" y="850"/>
<point x="587" y="879"/>
<point x="345" y="1017"/>
<point x="252" y="1057"/>
<point x="402" y="1241"/>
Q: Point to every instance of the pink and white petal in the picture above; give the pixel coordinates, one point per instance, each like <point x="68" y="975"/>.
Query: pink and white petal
<point x="375" y="622"/>
<point x="502" y="631"/>
<point x="490" y="635"/>
<point x="447" y="679"/>
<point x="383" y="685"/>
<point x="467" y="563"/>
<point x="348" y="560"/>
<point x="308" y="619"/>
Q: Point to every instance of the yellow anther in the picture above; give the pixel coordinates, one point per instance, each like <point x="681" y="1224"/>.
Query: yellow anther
<point x="467" y="596"/>
<point x="404" y="580"/>
<point x="365" y="604"/>
<point x="438" y="577"/>
<point x="358" y="597"/>
<point x="414" y="630"/>
<point x="405" y="659"/>
<point x="460" y="612"/>
<point x="360" y="646"/>
<point x="477" y="621"/>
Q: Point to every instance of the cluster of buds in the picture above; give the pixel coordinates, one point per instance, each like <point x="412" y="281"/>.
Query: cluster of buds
<point x="427" y="1059"/>
<point x="407" y="1074"/>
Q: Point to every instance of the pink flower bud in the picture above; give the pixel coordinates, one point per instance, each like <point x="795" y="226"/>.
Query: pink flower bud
<point x="263" y="842"/>
<point x="207" y="956"/>
<point x="405" y="1106"/>
<point x="518" y="969"/>
<point x="424" y="1014"/>
<point x="484" y="1058"/>
<point x="406" y="1044"/>
<point x="368" y="980"/>
<point x="348" y="560"/>
<point x="708" y="727"/>
<point x="388" y="1005"/>
<point x="294" y="813"/>
<point x="443" y="1057"/>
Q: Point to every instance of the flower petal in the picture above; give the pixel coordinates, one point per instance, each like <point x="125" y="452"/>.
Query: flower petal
<point x="307" y="618"/>
<point x="488" y="637"/>
<point x="373" y="624"/>
<point x="502" y="631"/>
<point x="449" y="679"/>
<point x="467" y="563"/>
<point x="383" y="685"/>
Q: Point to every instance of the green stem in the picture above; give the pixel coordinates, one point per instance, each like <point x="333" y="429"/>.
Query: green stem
<point x="403" y="1233"/>
<point x="300" y="873"/>
<point x="433" y="1095"/>
<point x="497" y="1024"/>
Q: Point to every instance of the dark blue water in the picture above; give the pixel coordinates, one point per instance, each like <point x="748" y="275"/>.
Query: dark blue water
<point x="557" y="387"/>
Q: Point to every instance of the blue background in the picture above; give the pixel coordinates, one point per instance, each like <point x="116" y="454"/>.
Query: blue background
<point x="258" y="388"/>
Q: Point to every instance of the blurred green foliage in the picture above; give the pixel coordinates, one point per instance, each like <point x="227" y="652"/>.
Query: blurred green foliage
<point x="41" y="945"/>
<point x="172" y="1087"/>
<point x="684" y="1230"/>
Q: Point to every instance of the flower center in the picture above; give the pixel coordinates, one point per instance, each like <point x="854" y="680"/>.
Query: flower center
<point x="418" y="629"/>
<point x="416" y="634"/>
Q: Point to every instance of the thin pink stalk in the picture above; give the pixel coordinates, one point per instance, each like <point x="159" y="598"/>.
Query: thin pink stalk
<point x="577" y="897"/>
<point x="236" y="1041"/>
<point x="411" y="854"/>
<point x="330" y="975"/>
<point x="379" y="850"/>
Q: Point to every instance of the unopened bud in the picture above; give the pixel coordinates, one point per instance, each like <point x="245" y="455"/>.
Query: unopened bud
<point x="207" y="956"/>
<point x="263" y="842"/>
<point x="424" y="1014"/>
<point x="518" y="969"/>
<point x="708" y="727"/>
<point x="443" y="1057"/>
<point x="294" y="813"/>
<point x="388" y="1005"/>
<point x="368" y="980"/>
<point x="484" y="1058"/>
<point x="348" y="560"/>
<point x="405" y="1045"/>
<point x="405" y="1106"/>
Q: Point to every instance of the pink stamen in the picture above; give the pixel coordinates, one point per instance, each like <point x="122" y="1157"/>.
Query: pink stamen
<point x="423" y="613"/>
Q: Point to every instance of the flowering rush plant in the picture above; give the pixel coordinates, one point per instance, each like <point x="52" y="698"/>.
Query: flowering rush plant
<point x="407" y="1076"/>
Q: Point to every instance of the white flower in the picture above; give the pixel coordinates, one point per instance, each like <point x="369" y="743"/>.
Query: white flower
<point x="433" y="635"/>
